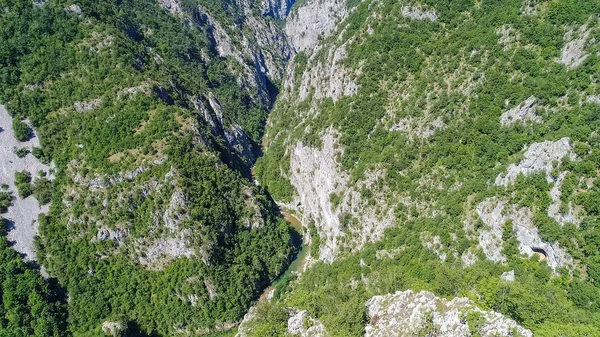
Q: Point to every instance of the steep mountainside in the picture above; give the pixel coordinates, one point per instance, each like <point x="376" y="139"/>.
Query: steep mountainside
<point x="439" y="145"/>
<point x="443" y="158"/>
<point x="151" y="113"/>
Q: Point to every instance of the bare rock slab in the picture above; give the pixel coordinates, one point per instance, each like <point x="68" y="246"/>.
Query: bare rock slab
<point x="23" y="214"/>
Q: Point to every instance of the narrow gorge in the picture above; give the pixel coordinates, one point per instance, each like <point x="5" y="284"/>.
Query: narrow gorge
<point x="299" y="168"/>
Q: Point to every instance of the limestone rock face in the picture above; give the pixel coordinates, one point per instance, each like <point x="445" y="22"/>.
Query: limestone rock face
<point x="298" y="322"/>
<point x="468" y="257"/>
<point x="23" y="214"/>
<point x="318" y="179"/>
<point x="317" y="176"/>
<point x="524" y="112"/>
<point x="433" y="243"/>
<point x="495" y="213"/>
<point x="407" y="313"/>
<point x="539" y="157"/>
<point x="316" y="18"/>
<point x="173" y="6"/>
<point x="508" y="276"/>
<point x="573" y="52"/>
<point x="112" y="328"/>
<point x="554" y="210"/>
<point x="593" y="99"/>
<point x="326" y="78"/>
<point x="490" y="239"/>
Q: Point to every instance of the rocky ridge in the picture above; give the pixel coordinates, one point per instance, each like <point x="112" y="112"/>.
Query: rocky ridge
<point x="407" y="313"/>
<point x="524" y="112"/>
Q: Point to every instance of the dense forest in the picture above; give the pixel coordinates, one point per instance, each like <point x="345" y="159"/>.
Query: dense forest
<point x="30" y="305"/>
<point x="119" y="92"/>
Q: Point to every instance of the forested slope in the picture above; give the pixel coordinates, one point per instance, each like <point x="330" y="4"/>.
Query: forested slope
<point x="30" y="305"/>
<point x="152" y="121"/>
<point x="448" y="146"/>
<point x="442" y="156"/>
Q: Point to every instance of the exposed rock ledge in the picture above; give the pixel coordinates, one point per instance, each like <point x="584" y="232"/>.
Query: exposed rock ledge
<point x="317" y="176"/>
<point x="327" y="78"/>
<point x="573" y="52"/>
<point x="495" y="213"/>
<point x="315" y="18"/>
<point x="539" y="157"/>
<point x="524" y="112"/>
<point x="419" y="13"/>
<point x="407" y="313"/>
<point x="23" y="214"/>
<point x="299" y="324"/>
<point x="554" y="211"/>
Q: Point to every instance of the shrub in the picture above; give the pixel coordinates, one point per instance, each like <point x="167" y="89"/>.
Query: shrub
<point x="22" y="130"/>
<point x="23" y="183"/>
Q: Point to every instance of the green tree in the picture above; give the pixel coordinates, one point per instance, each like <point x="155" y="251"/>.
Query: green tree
<point x="21" y="130"/>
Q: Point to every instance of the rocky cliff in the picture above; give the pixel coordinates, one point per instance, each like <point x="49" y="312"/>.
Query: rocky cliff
<point x="327" y="82"/>
<point x="442" y="157"/>
<point x="450" y="129"/>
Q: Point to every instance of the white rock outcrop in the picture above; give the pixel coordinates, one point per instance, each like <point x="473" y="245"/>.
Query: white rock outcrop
<point x="23" y="214"/>
<point x="314" y="19"/>
<point x="244" y="328"/>
<point x="508" y="276"/>
<point x="468" y="257"/>
<point x="573" y="52"/>
<point x="508" y="36"/>
<point x="434" y="244"/>
<point x="593" y="99"/>
<point x="112" y="328"/>
<point x="554" y="209"/>
<point x="539" y="157"/>
<point x="75" y="9"/>
<point x="327" y="78"/>
<point x="316" y="176"/>
<point x="490" y="238"/>
<point x="495" y="213"/>
<point x="173" y="6"/>
<point x="419" y="13"/>
<point x="301" y="324"/>
<point x="165" y="250"/>
<point x="524" y="112"/>
<point x="408" y="313"/>
<point x="176" y="242"/>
